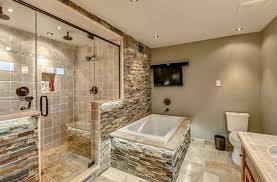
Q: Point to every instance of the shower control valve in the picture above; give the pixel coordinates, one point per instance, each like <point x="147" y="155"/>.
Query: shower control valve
<point x="94" y="90"/>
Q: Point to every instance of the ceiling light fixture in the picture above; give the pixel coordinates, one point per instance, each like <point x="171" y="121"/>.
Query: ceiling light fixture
<point x="10" y="10"/>
<point x="134" y="1"/>
<point x="59" y="28"/>
<point x="239" y="29"/>
<point x="156" y="36"/>
<point x="49" y="33"/>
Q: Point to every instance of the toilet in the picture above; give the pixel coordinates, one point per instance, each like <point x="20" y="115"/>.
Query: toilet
<point x="236" y="122"/>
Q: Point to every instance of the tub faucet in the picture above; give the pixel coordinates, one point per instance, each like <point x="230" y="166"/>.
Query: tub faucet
<point x="166" y="110"/>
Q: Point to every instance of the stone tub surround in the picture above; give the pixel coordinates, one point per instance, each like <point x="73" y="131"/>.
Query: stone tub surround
<point x="19" y="159"/>
<point x="171" y="145"/>
<point x="256" y="147"/>
<point x="161" y="162"/>
<point x="203" y="163"/>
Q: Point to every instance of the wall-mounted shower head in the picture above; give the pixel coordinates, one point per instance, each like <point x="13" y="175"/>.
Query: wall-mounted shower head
<point x="2" y="15"/>
<point x="67" y="37"/>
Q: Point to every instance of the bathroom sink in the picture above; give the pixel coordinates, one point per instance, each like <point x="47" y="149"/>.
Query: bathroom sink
<point x="272" y="151"/>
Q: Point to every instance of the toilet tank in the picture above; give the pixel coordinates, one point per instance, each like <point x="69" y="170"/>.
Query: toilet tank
<point x="237" y="121"/>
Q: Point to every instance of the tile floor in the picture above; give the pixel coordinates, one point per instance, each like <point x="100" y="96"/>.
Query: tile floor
<point x="203" y="163"/>
<point x="59" y="164"/>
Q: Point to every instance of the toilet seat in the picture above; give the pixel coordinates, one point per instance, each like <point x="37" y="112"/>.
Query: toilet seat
<point x="234" y="139"/>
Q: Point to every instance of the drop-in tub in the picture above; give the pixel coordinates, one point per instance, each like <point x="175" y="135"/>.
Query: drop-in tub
<point x="156" y="127"/>
<point x="152" y="147"/>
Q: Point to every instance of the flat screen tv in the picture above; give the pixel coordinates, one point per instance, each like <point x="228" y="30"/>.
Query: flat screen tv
<point x="168" y="76"/>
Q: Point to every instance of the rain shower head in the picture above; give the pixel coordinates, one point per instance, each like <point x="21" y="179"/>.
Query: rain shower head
<point x="67" y="37"/>
<point x="2" y="15"/>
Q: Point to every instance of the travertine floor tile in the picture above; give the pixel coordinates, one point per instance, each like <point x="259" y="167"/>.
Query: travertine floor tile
<point x="115" y="174"/>
<point x="102" y="179"/>
<point x="223" y="171"/>
<point x="59" y="164"/>
<point x="208" y="177"/>
<point x="192" y="169"/>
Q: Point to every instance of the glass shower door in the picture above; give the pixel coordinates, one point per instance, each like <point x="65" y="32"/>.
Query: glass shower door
<point x="107" y="71"/>
<point x="82" y="142"/>
<point x="65" y="78"/>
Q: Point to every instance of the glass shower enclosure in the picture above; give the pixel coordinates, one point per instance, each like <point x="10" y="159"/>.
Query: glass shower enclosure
<point x="51" y="66"/>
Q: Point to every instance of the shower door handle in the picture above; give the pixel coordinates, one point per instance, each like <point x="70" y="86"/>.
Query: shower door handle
<point x="46" y="106"/>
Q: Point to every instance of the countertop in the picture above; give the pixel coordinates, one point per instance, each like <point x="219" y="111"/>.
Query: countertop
<point x="21" y="114"/>
<point x="256" y="146"/>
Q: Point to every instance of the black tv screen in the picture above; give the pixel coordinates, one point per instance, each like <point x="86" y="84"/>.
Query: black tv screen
<point x="168" y="76"/>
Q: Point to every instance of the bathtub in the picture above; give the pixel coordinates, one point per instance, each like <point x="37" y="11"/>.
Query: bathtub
<point x="152" y="148"/>
<point x="155" y="127"/>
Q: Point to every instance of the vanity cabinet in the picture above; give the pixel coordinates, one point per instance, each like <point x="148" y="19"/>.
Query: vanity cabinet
<point x="248" y="171"/>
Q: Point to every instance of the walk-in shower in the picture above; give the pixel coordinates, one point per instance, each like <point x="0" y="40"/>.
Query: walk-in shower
<point x="53" y="73"/>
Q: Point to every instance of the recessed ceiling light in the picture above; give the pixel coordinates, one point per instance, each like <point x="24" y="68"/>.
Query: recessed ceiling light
<point x="10" y="10"/>
<point x="59" y="28"/>
<point x="156" y="36"/>
<point x="8" y="49"/>
<point x="133" y="1"/>
<point x="239" y="29"/>
<point x="49" y="33"/>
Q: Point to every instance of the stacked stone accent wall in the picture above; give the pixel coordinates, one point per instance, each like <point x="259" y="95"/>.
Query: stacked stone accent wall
<point x="148" y="162"/>
<point x="19" y="150"/>
<point x="137" y="94"/>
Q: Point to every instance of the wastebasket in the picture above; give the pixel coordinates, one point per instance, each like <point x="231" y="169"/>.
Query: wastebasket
<point x="219" y="142"/>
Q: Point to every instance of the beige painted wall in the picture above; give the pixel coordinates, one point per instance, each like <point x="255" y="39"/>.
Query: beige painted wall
<point x="236" y="61"/>
<point x="269" y="78"/>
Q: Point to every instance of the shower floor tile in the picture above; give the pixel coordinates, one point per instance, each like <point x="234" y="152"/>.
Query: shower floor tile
<point x="59" y="164"/>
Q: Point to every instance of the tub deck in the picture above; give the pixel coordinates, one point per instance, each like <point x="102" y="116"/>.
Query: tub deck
<point x="170" y="145"/>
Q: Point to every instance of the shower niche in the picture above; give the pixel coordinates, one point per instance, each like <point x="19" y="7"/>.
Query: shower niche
<point x="48" y="82"/>
<point x="64" y="64"/>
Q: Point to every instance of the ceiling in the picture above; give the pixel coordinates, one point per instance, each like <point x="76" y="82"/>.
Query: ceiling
<point x="23" y="18"/>
<point x="183" y="21"/>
